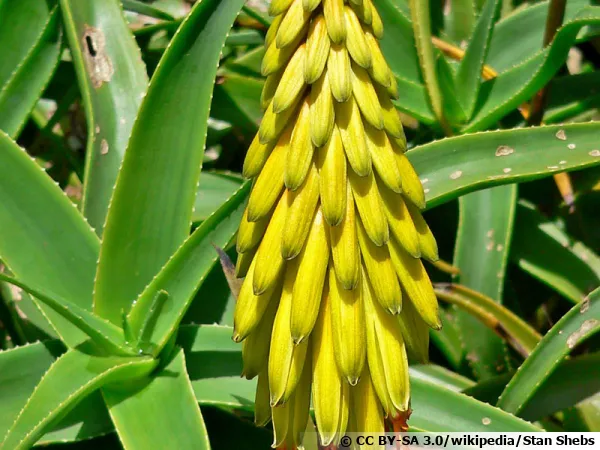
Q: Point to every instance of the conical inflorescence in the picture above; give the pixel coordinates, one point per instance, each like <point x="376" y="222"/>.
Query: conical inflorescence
<point x="335" y="294"/>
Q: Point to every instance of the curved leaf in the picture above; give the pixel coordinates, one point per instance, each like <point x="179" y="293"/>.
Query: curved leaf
<point x="151" y="210"/>
<point x="214" y="189"/>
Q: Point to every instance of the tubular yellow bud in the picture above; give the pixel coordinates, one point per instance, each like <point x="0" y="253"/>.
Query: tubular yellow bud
<point x="272" y="31"/>
<point x="366" y="97"/>
<point x="392" y="355"/>
<point x="331" y="163"/>
<point x="268" y="91"/>
<point x="276" y="58"/>
<point x="392" y="89"/>
<point x="416" y="284"/>
<point x="273" y="124"/>
<point x="364" y="13"/>
<point x="250" y="233"/>
<point x="308" y="288"/>
<point x="262" y="406"/>
<point x="301" y="208"/>
<point x="383" y="159"/>
<point x="317" y="50"/>
<point x="427" y="243"/>
<point x="338" y="67"/>
<point x="348" y="324"/>
<point x="376" y="22"/>
<point x="242" y="265"/>
<point x="344" y="246"/>
<point x="370" y="207"/>
<point x="292" y="25"/>
<point x="268" y="185"/>
<point x="380" y="273"/>
<point x="367" y="412"/>
<point x="310" y="5"/>
<point x="322" y="114"/>
<point x="355" y="39"/>
<point x="255" y="347"/>
<point x="400" y="222"/>
<point x="300" y="152"/>
<point x="415" y="333"/>
<point x="286" y="359"/>
<point x="269" y="262"/>
<point x="256" y="157"/>
<point x="352" y="133"/>
<point x="279" y="6"/>
<point x="249" y="308"/>
<point x="391" y="119"/>
<point x="282" y="416"/>
<point x="334" y="18"/>
<point x="292" y="82"/>
<point x="412" y="188"/>
<point x="379" y="71"/>
<point x="301" y="404"/>
<point x="328" y="386"/>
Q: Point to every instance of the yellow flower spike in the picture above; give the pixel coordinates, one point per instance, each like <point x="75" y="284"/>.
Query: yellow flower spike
<point x="269" y="88"/>
<point x="383" y="158"/>
<point x="338" y="67"/>
<point x="276" y="58"/>
<point x="242" y="265"/>
<point x="286" y="359"/>
<point x="391" y="119"/>
<point x="250" y="233"/>
<point x="317" y="50"/>
<point x="366" y="97"/>
<point x="279" y="6"/>
<point x="427" y="242"/>
<point x="352" y="132"/>
<point x="416" y="284"/>
<point x="356" y="2"/>
<point x="282" y="416"/>
<point x="272" y="31"/>
<point x="310" y="5"/>
<point x="331" y="163"/>
<point x="366" y="410"/>
<point x="391" y="353"/>
<point x="400" y="221"/>
<point x="299" y="216"/>
<point x="300" y="151"/>
<point x="250" y="308"/>
<point x="273" y="125"/>
<point x="348" y="324"/>
<point x="379" y="70"/>
<point x="267" y="187"/>
<point x="344" y="246"/>
<point x="262" y="405"/>
<point x="269" y="262"/>
<point x="322" y="114"/>
<point x="301" y="404"/>
<point x="370" y="207"/>
<point x="392" y="89"/>
<point x="412" y="188"/>
<point x="328" y="385"/>
<point x="256" y="157"/>
<point x="333" y="10"/>
<point x="376" y="22"/>
<point x="364" y="13"/>
<point x="292" y="25"/>
<point x="380" y="273"/>
<point x="355" y="39"/>
<point x="255" y="347"/>
<point x="415" y="333"/>
<point x="292" y="83"/>
<point x="308" y="288"/>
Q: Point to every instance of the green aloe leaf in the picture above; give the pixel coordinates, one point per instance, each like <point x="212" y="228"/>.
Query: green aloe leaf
<point x="549" y="254"/>
<point x="146" y="9"/>
<point x="441" y="376"/>
<point x="151" y="209"/>
<point x="215" y="188"/>
<point x="20" y="92"/>
<point x="460" y="20"/>
<point x="413" y="101"/>
<point x="159" y="413"/>
<point x="186" y="270"/>
<point x="571" y="330"/>
<point x="70" y="379"/>
<point x="468" y="75"/>
<point x="112" y="80"/>
<point x="511" y="88"/>
<point x="571" y="95"/>
<point x="59" y="256"/>
<point x="485" y="227"/>
<point x="448" y="340"/>
<point x="455" y="166"/>
<point x="237" y="100"/>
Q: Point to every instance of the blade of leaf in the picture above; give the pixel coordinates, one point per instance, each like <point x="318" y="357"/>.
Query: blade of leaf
<point x="112" y="79"/>
<point x="142" y="413"/>
<point x="213" y="190"/>
<point x="460" y="20"/>
<point x="441" y="376"/>
<point x="468" y="75"/>
<point x="184" y="273"/>
<point x="413" y="101"/>
<point x="151" y="210"/>
<point x="455" y="166"/>
<point x="146" y="9"/>
<point x="546" y="252"/>
<point x="486" y="221"/>
<point x="23" y="89"/>
<point x="572" y="329"/>
<point x="70" y="379"/>
<point x="59" y="256"/>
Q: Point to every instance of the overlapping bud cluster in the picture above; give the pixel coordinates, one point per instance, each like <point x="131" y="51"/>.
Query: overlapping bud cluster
<point x="335" y="293"/>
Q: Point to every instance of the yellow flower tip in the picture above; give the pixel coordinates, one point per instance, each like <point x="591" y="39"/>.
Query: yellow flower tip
<point x="310" y="5"/>
<point x="353" y="380"/>
<point x="334" y="17"/>
<point x="237" y="338"/>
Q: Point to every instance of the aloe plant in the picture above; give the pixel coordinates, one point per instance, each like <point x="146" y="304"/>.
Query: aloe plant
<point x="123" y="130"/>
